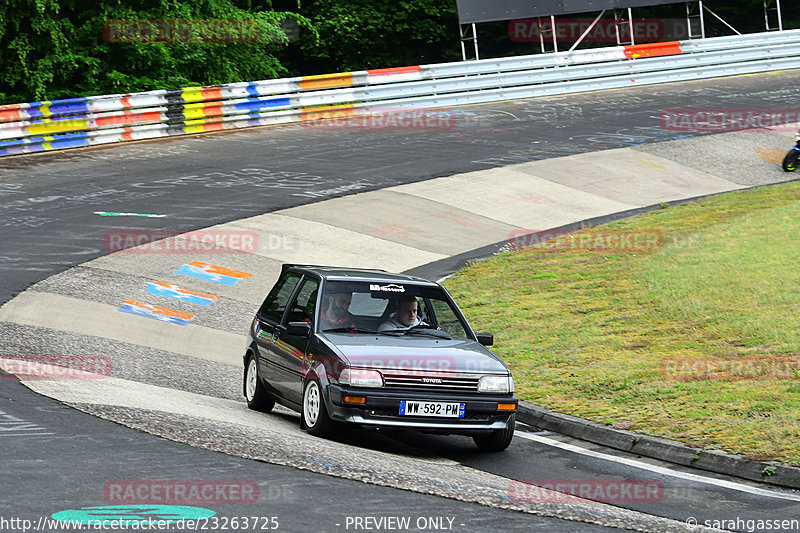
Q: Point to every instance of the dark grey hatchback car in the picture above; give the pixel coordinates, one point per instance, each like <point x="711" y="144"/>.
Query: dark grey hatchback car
<point x="379" y="350"/>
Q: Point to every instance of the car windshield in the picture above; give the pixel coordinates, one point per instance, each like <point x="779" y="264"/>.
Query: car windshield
<point x="400" y="309"/>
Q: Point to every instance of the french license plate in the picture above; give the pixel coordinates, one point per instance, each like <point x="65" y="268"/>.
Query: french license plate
<point x="443" y="409"/>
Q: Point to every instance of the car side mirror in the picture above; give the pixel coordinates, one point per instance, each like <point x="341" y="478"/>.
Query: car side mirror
<point x="487" y="339"/>
<point x="300" y="329"/>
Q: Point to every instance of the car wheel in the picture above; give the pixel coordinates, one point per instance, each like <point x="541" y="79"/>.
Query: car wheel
<point x="496" y="441"/>
<point x="315" y="414"/>
<point x="254" y="391"/>
<point x="791" y="160"/>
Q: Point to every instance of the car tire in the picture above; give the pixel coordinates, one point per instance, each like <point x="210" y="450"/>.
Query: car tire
<point x="496" y="441"/>
<point x="315" y="417"/>
<point x="254" y="391"/>
<point x="791" y="160"/>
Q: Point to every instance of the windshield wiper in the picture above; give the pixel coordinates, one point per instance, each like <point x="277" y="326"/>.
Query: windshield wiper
<point x="429" y="331"/>
<point x="422" y="329"/>
<point x="349" y="330"/>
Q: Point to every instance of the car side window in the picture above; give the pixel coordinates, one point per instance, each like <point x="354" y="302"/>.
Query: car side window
<point x="302" y="308"/>
<point x="274" y="305"/>
<point x="447" y="320"/>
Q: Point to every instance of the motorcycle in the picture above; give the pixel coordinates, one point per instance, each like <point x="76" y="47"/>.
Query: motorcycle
<point x="792" y="159"/>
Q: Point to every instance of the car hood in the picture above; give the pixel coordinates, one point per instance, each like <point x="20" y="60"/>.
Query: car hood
<point x="416" y="353"/>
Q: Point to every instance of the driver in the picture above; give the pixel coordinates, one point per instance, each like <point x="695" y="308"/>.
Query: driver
<point x="405" y="315"/>
<point x="335" y="312"/>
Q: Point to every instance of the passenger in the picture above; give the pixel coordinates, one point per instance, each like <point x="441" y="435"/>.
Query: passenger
<point x="405" y="315"/>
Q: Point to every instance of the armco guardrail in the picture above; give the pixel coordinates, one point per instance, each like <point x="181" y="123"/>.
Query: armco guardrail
<point x="76" y="122"/>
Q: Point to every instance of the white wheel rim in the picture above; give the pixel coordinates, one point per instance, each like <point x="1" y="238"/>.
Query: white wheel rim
<point x="251" y="380"/>
<point x="311" y="404"/>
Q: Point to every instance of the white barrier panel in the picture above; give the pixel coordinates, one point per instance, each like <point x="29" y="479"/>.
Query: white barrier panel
<point x="41" y="126"/>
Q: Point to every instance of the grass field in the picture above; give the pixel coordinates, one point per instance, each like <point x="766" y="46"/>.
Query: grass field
<point x="682" y="323"/>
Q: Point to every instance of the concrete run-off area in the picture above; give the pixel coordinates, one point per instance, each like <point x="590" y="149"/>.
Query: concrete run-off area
<point x="157" y="341"/>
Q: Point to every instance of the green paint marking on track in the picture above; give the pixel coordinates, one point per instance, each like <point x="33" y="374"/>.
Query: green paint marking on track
<point x="132" y="514"/>
<point x="113" y="214"/>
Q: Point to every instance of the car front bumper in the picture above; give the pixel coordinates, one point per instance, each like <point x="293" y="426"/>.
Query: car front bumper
<point x="382" y="409"/>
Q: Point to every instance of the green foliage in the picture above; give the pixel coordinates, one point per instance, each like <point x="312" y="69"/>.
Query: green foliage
<point x="57" y="49"/>
<point x="366" y="34"/>
<point x="643" y="339"/>
<point x="52" y="49"/>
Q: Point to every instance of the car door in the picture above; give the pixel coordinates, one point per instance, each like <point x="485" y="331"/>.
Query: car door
<point x="270" y="317"/>
<point x="290" y="351"/>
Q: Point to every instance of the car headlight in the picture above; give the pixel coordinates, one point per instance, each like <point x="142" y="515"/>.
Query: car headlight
<point x="360" y="377"/>
<point x="497" y="384"/>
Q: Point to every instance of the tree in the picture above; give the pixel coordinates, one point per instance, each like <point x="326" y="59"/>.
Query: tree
<point x="52" y="49"/>
<point x="365" y="34"/>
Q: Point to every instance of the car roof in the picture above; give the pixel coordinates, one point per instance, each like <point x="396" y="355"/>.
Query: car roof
<point x="333" y="273"/>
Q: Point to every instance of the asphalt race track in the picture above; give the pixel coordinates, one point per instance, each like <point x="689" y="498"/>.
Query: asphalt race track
<point x="397" y="199"/>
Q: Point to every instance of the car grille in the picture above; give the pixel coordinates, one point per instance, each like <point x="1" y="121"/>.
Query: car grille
<point x="438" y="382"/>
